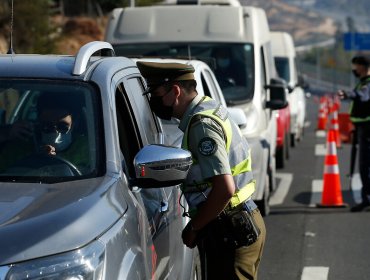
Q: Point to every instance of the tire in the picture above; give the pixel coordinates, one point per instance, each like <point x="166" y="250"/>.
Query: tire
<point x="263" y="204"/>
<point x="280" y="156"/>
<point x="292" y="140"/>
<point x="287" y="144"/>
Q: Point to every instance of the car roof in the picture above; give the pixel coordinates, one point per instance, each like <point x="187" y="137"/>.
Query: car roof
<point x="53" y="66"/>
<point x="37" y="66"/>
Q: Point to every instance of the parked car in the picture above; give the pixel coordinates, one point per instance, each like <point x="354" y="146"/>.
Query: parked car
<point x="113" y="209"/>
<point x="241" y="42"/>
<point x="284" y="53"/>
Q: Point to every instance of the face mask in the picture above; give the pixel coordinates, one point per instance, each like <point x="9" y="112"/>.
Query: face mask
<point x="162" y="111"/>
<point x="60" y="141"/>
<point x="355" y="73"/>
<point x="223" y="62"/>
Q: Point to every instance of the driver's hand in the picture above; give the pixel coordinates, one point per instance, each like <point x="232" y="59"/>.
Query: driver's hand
<point x="20" y="130"/>
<point x="49" y="149"/>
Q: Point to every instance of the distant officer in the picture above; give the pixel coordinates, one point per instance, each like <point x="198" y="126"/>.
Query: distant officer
<point x="360" y="117"/>
<point x="226" y="224"/>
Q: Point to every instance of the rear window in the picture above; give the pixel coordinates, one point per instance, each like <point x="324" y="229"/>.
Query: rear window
<point x="49" y="131"/>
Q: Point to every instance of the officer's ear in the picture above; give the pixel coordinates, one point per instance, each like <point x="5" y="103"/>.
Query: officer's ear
<point x="177" y="90"/>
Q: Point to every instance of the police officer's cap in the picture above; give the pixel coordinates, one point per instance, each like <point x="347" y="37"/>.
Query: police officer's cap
<point x="158" y="73"/>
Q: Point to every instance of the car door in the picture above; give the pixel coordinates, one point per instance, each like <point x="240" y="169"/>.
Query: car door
<point x="143" y="129"/>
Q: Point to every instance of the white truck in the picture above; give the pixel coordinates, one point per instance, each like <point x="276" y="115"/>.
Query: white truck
<point x="284" y="54"/>
<point x="233" y="36"/>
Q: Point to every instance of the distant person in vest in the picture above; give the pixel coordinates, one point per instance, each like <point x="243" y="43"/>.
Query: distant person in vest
<point x="360" y="117"/>
<point x="225" y="224"/>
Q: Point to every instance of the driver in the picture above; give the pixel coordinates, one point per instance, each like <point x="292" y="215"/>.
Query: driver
<point x="53" y="134"/>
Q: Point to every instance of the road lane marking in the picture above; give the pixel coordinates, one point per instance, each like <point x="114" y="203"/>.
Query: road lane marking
<point x="320" y="133"/>
<point x="356" y="187"/>
<point x="283" y="188"/>
<point x="315" y="273"/>
<point x="320" y="150"/>
<point x="316" y="190"/>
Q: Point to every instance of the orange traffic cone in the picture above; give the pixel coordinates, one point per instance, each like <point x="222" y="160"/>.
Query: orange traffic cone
<point x="323" y="114"/>
<point x="331" y="194"/>
<point x="334" y="125"/>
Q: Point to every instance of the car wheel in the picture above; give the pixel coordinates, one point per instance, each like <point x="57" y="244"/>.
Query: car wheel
<point x="292" y="140"/>
<point x="263" y="204"/>
<point x="280" y="156"/>
<point x="287" y="145"/>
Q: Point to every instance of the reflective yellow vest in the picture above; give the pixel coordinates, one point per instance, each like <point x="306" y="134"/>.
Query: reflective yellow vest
<point x="195" y="188"/>
<point x="360" y="111"/>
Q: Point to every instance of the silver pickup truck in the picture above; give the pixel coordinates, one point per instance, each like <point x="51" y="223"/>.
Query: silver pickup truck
<point x="105" y="203"/>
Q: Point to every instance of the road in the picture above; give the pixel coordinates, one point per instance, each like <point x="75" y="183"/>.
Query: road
<point x="305" y="242"/>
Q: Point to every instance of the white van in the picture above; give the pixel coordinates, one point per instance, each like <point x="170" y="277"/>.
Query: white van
<point x="242" y="36"/>
<point x="285" y="60"/>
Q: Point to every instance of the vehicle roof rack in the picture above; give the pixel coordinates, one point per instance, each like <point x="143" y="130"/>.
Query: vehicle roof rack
<point x="86" y="52"/>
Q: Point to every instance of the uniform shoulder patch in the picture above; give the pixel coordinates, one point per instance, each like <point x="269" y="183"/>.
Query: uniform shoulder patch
<point x="207" y="146"/>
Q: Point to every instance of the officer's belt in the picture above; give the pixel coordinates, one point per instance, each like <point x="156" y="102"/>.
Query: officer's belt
<point x="193" y="188"/>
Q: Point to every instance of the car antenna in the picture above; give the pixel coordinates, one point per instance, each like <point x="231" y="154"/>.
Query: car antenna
<point x="11" y="51"/>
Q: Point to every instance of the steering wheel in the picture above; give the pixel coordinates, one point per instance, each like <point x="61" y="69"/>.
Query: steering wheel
<point x="44" y="165"/>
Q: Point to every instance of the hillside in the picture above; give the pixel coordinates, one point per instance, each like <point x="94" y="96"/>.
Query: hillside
<point x="305" y="26"/>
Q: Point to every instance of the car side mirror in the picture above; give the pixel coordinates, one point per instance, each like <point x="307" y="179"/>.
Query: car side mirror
<point x="278" y="96"/>
<point x="238" y="116"/>
<point x="302" y="82"/>
<point x="161" y="166"/>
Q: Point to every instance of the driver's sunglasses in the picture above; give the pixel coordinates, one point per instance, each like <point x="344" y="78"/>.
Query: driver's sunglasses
<point x="61" y="127"/>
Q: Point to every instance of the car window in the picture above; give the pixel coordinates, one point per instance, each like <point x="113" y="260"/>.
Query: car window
<point x="147" y="119"/>
<point x="49" y="131"/>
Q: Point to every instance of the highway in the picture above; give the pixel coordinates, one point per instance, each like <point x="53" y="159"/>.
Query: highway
<point x="306" y="242"/>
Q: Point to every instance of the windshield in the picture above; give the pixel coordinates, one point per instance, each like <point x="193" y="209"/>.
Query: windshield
<point x="48" y="131"/>
<point x="282" y="67"/>
<point x="232" y="63"/>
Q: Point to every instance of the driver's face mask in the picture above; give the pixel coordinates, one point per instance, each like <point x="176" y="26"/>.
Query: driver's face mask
<point x="57" y="139"/>
<point x="58" y="135"/>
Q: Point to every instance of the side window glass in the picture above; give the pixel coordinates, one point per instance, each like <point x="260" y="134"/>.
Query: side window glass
<point x="129" y="139"/>
<point x="205" y="87"/>
<point x="263" y="67"/>
<point x="147" y="119"/>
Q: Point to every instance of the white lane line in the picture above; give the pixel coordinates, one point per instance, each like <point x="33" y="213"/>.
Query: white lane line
<point x="283" y="188"/>
<point x="320" y="133"/>
<point x="320" y="150"/>
<point x="356" y="187"/>
<point x="316" y="192"/>
<point x="315" y="273"/>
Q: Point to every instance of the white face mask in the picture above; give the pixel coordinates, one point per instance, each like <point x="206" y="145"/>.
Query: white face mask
<point x="223" y="62"/>
<point x="58" y="140"/>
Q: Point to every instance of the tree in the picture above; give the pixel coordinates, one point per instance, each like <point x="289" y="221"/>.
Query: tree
<point x="31" y="26"/>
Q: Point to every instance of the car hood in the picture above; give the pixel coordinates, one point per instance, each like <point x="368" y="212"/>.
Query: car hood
<point x="43" y="219"/>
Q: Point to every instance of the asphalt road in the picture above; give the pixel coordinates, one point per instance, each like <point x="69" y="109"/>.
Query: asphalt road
<point x="306" y="242"/>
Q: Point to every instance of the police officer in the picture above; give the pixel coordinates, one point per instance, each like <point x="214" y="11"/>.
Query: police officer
<point x="225" y="224"/>
<point x="360" y="117"/>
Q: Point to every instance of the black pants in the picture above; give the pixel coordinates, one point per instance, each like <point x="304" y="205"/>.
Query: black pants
<point x="363" y="138"/>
